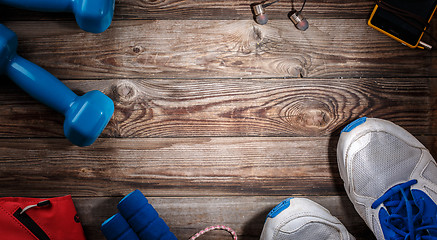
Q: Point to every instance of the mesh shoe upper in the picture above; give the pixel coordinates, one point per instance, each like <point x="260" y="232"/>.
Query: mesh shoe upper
<point x="311" y="230"/>
<point x="300" y="218"/>
<point x="388" y="174"/>
<point x="374" y="171"/>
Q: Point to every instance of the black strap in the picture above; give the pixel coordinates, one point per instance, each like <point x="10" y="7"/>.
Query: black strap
<point x="31" y="225"/>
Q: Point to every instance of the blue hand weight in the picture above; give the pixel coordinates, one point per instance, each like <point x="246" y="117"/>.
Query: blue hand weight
<point x="91" y="15"/>
<point x="85" y="116"/>
<point x="116" y="228"/>
<point x="143" y="218"/>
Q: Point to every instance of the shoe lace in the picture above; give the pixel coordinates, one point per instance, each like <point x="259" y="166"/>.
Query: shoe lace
<point x="406" y="215"/>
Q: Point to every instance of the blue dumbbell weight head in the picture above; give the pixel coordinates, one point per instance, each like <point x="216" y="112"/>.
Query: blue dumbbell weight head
<point x="143" y="218"/>
<point x="91" y="15"/>
<point x="85" y="116"/>
<point x="116" y="228"/>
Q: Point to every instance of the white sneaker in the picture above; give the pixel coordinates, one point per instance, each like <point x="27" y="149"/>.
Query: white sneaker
<point x="302" y="219"/>
<point x="390" y="178"/>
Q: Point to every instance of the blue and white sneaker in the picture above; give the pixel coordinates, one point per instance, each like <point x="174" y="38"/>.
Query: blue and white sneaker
<point x="391" y="179"/>
<point x="301" y="218"/>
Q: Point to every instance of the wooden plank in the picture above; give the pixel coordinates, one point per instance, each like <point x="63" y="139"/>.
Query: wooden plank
<point x="231" y="107"/>
<point x="433" y="104"/>
<point x="187" y="215"/>
<point x="206" y="10"/>
<point x="219" y="49"/>
<point x="170" y="167"/>
<point x="173" y="167"/>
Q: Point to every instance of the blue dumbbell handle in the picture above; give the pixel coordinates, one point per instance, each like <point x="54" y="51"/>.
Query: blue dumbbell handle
<point x="41" y="5"/>
<point x="40" y="84"/>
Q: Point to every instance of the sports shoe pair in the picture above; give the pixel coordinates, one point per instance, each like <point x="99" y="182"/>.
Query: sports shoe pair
<point x="389" y="176"/>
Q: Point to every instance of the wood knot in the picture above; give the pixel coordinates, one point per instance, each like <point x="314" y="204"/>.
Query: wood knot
<point x="85" y="172"/>
<point x="309" y="115"/>
<point x="137" y="49"/>
<point x="124" y="92"/>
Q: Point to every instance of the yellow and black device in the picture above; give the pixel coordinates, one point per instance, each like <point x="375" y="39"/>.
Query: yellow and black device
<point x="404" y="20"/>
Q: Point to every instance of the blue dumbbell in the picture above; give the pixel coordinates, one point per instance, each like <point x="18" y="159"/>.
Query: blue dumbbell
<point x="92" y="15"/>
<point x="85" y="116"/>
<point x="116" y="228"/>
<point x="143" y="218"/>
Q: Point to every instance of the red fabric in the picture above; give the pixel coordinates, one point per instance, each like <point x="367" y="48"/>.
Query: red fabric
<point x="59" y="220"/>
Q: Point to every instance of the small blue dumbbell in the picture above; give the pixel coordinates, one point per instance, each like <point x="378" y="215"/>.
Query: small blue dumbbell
<point x="142" y="218"/>
<point x="85" y="116"/>
<point x="116" y="228"/>
<point x="91" y="15"/>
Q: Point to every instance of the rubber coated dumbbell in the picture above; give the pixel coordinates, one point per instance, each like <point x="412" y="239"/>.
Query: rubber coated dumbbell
<point x="92" y="15"/>
<point x="137" y="220"/>
<point x="85" y="116"/>
<point x="117" y="228"/>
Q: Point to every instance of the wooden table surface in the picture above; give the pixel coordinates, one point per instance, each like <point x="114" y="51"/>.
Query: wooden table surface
<point x="217" y="119"/>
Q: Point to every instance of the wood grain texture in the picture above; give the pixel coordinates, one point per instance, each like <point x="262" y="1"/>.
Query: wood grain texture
<point x="231" y="107"/>
<point x="186" y="216"/>
<point x="219" y="49"/>
<point x="217" y="119"/>
<point x="173" y="167"/>
<point x="206" y="10"/>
